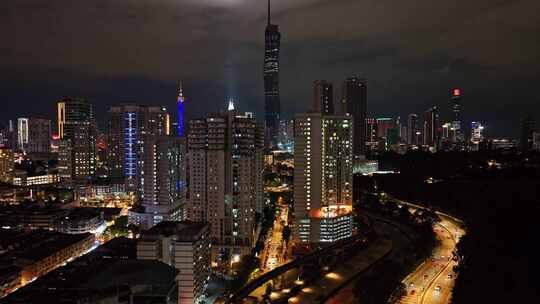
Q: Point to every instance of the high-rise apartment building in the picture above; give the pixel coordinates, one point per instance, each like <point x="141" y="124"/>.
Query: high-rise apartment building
<point x="431" y="128"/>
<point x="163" y="178"/>
<point x="323" y="101"/>
<point x="272" y="104"/>
<point x="412" y="128"/>
<point x="129" y="125"/>
<point x="323" y="169"/>
<point x="7" y="164"/>
<point x="76" y="124"/>
<point x="225" y="160"/>
<point x="34" y="135"/>
<point x="354" y="102"/>
<point x="185" y="246"/>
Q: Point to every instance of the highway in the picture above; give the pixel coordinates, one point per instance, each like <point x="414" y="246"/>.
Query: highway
<point x="433" y="280"/>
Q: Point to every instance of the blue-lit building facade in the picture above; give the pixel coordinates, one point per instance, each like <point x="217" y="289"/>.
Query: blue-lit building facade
<point x="128" y="127"/>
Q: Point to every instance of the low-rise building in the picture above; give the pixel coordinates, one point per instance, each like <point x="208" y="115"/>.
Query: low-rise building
<point x="82" y="220"/>
<point x="108" y="275"/>
<point x="184" y="245"/>
<point x="38" y="252"/>
<point x="10" y="279"/>
<point x="21" y="217"/>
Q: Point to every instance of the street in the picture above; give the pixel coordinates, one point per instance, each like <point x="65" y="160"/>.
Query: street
<point x="432" y="281"/>
<point x="274" y="253"/>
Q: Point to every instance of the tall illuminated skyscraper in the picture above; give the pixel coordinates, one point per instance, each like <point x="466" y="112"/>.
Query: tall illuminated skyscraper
<point x="477" y="134"/>
<point x="22" y="133"/>
<point x="355" y="103"/>
<point x="323" y="183"/>
<point x="180" y="103"/>
<point x="128" y="127"/>
<point x="323" y="101"/>
<point x="431" y="128"/>
<point x="272" y="106"/>
<point x="77" y="128"/>
<point x="457" y="124"/>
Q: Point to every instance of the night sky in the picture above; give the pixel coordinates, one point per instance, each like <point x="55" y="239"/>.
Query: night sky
<point x="412" y="53"/>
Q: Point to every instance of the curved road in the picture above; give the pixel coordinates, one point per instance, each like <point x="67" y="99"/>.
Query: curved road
<point x="433" y="280"/>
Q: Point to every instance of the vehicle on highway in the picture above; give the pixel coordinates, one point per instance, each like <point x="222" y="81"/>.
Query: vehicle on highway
<point x="413" y="292"/>
<point x="437" y="288"/>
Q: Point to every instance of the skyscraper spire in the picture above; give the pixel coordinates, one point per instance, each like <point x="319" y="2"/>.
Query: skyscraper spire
<point x="268" y="12"/>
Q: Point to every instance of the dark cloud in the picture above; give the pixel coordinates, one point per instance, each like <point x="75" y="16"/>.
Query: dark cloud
<point x="412" y="52"/>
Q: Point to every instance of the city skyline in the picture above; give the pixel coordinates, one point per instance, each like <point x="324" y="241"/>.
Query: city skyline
<point x="144" y="77"/>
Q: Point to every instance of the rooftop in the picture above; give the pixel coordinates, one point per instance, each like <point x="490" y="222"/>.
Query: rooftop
<point x="185" y="231"/>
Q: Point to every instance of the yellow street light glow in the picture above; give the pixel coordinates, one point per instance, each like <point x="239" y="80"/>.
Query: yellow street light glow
<point x="293" y="300"/>
<point x="299" y="282"/>
<point x="333" y="276"/>
<point x="307" y="290"/>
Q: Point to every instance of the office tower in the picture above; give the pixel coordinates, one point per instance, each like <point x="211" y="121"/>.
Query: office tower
<point x="354" y="102"/>
<point x="185" y="246"/>
<point x="163" y="178"/>
<point x="323" y="101"/>
<point x="371" y="130"/>
<point x="456" y="118"/>
<point x="7" y="165"/>
<point x="180" y="103"/>
<point x="448" y="133"/>
<point x="34" y="135"/>
<point x="536" y="140"/>
<point x="371" y="134"/>
<point x="323" y="168"/>
<point x="412" y="128"/>
<point x="76" y="124"/>
<point x="65" y="161"/>
<point x="225" y="160"/>
<point x="477" y="134"/>
<point x="128" y="127"/>
<point x="383" y="124"/>
<point x="272" y="106"/>
<point x="527" y="129"/>
<point x="431" y="128"/>
<point x="22" y="133"/>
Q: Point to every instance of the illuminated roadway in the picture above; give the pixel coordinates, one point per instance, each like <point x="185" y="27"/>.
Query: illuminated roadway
<point x="433" y="280"/>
